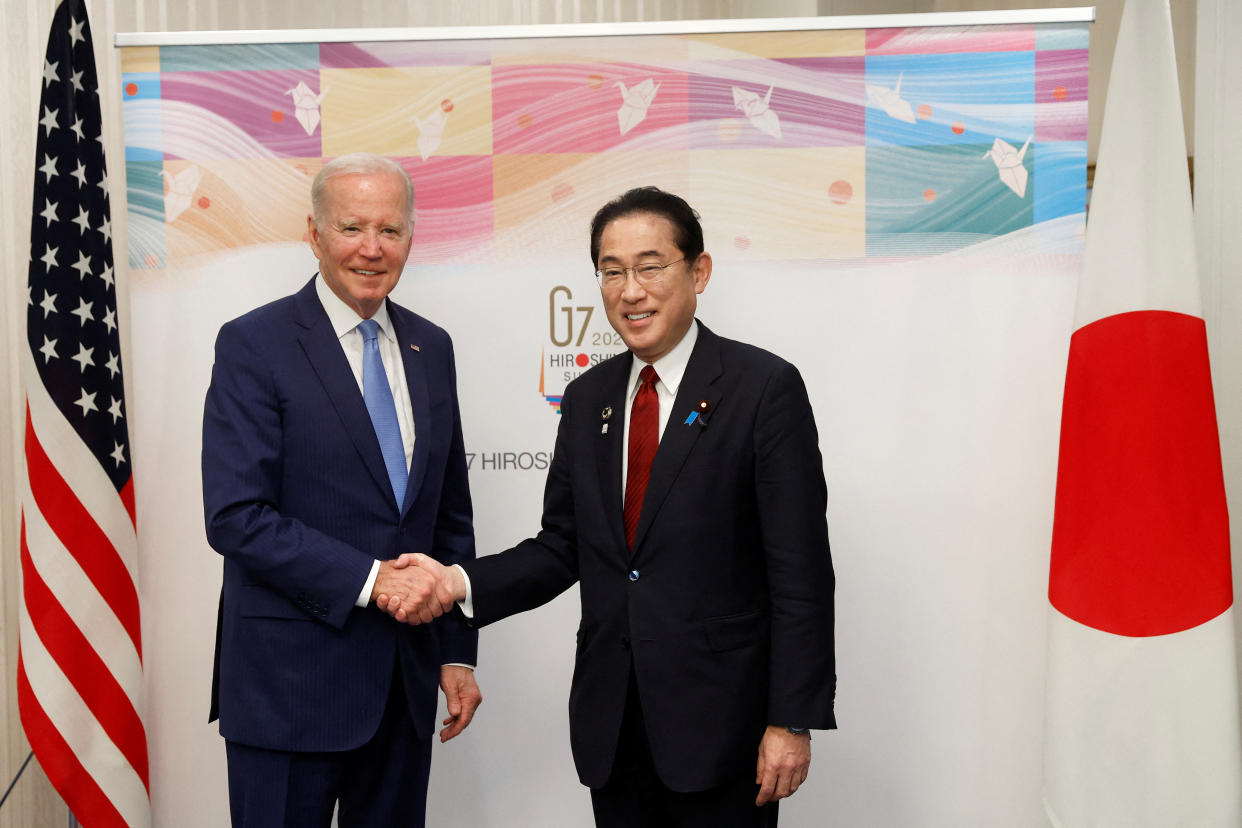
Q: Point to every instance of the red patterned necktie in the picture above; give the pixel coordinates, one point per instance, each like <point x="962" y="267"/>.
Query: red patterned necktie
<point x="644" y="440"/>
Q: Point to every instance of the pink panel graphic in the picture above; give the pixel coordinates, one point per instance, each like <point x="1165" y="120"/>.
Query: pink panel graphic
<point x="453" y="199"/>
<point x="813" y="102"/>
<point x="262" y="104"/>
<point x="1061" y="95"/>
<point x="588" y="108"/>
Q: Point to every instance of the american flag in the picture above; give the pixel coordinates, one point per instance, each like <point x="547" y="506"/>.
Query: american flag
<point x="79" y="680"/>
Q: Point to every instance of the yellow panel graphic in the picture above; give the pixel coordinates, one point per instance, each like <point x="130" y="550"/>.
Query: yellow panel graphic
<point x="421" y="111"/>
<point x="550" y="199"/>
<point x="828" y="43"/>
<point x="140" y="59"/>
<point x="222" y="203"/>
<point x="798" y="203"/>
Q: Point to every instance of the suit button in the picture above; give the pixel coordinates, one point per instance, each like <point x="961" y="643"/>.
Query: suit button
<point x="633" y="574"/>
<point x="625" y="642"/>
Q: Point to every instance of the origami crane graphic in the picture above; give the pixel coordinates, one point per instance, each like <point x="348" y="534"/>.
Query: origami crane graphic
<point x="634" y="103"/>
<point x="890" y="101"/>
<point x="1009" y="164"/>
<point x="430" y="132"/>
<point x="180" y="190"/>
<point x="306" y="103"/>
<point x="757" y="111"/>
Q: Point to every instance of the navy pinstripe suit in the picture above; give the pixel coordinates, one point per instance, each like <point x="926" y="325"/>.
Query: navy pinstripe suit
<point x="298" y="502"/>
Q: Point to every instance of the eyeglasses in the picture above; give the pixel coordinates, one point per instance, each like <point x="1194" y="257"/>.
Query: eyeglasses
<point x="647" y="274"/>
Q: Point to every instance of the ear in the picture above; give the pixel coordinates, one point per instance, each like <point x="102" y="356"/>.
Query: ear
<point x="702" y="271"/>
<point x="312" y="235"/>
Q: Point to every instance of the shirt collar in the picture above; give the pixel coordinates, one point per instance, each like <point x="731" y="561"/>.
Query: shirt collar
<point x="344" y="318"/>
<point x="671" y="367"/>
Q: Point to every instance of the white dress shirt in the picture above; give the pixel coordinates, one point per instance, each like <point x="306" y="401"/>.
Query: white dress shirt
<point x="345" y="322"/>
<point x="670" y="369"/>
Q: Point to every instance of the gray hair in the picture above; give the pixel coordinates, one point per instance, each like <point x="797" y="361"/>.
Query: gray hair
<point x="356" y="163"/>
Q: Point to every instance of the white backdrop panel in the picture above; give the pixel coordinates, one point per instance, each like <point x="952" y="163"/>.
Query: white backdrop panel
<point x="935" y="371"/>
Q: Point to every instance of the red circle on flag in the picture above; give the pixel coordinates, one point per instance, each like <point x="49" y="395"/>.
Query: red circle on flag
<point x="1140" y="537"/>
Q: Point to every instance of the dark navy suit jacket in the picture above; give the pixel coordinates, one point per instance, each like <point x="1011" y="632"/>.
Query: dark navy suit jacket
<point x="298" y="502"/>
<point x="725" y="606"/>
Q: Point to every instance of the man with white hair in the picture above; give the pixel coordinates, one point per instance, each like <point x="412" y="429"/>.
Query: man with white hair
<point x="332" y="444"/>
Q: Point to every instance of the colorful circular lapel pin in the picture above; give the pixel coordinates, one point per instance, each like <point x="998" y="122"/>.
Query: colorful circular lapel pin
<point x="700" y="410"/>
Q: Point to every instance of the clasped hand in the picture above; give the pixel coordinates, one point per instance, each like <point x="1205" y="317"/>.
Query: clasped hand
<point x="414" y="589"/>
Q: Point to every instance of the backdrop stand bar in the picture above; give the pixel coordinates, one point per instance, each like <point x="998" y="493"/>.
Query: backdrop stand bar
<point x="1082" y="14"/>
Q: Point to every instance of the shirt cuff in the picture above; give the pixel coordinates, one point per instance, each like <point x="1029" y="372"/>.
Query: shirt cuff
<point x="364" y="597"/>
<point x="467" y="603"/>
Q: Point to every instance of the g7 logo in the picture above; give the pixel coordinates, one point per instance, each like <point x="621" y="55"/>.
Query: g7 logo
<point x="555" y="309"/>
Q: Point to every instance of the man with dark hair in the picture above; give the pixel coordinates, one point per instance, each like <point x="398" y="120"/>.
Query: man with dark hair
<point x="687" y="232"/>
<point x="687" y="498"/>
<point x="331" y="443"/>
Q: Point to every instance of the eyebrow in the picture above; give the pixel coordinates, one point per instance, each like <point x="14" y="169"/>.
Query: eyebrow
<point x="645" y="254"/>
<point x="348" y="221"/>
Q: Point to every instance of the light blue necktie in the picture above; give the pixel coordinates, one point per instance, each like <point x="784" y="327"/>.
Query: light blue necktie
<point x="383" y="411"/>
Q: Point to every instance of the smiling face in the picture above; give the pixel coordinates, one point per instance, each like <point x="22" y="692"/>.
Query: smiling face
<point x="651" y="320"/>
<point x="365" y="238"/>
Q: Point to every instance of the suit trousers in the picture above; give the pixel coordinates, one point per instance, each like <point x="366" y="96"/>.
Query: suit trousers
<point x="382" y="782"/>
<point x="634" y="796"/>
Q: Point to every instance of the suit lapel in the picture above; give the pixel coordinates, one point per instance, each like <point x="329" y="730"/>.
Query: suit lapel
<point x="416" y="382"/>
<point x="322" y="348"/>
<point x="611" y="398"/>
<point x="697" y="385"/>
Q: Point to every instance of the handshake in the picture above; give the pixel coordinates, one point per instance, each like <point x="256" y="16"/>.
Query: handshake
<point x="417" y="589"/>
